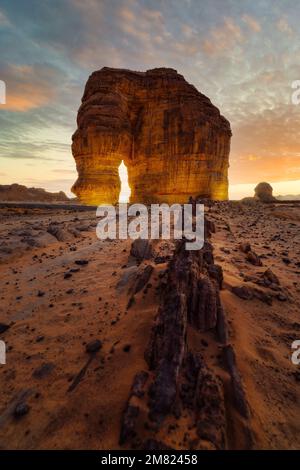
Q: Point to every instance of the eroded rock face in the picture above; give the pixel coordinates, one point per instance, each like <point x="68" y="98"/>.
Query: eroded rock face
<point x="173" y="141"/>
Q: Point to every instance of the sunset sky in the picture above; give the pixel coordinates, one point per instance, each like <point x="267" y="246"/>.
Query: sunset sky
<point x="243" y="54"/>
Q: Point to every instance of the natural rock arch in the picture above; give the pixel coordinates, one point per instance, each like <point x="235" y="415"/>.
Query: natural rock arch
<point x="173" y="141"/>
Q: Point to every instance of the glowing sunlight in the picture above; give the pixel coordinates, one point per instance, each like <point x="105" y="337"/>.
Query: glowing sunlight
<point x="125" y="189"/>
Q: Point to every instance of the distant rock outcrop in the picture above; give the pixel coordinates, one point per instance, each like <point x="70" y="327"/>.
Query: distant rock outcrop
<point x="17" y="193"/>
<point x="289" y="197"/>
<point x="174" y="142"/>
<point x="264" y="192"/>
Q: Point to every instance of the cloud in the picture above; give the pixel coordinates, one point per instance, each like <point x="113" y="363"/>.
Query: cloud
<point x="187" y="30"/>
<point x="252" y="23"/>
<point x="54" y="185"/>
<point x="223" y="37"/>
<point x="283" y="26"/>
<point x="26" y="156"/>
<point x="269" y="169"/>
<point x="47" y="182"/>
<point x="29" y="150"/>
<point x="3" y="19"/>
<point x="266" y="146"/>
<point x="29" y="86"/>
<point x="64" y="171"/>
<point x="145" y="25"/>
<point x="243" y="57"/>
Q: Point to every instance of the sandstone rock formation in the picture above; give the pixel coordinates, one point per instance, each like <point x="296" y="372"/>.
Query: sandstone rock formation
<point x="264" y="192"/>
<point x="173" y="141"/>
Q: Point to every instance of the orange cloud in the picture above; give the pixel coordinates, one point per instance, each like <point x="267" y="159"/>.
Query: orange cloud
<point x="223" y="37"/>
<point x="27" y="87"/>
<point x="271" y="169"/>
<point x="252" y="23"/>
<point x="283" y="26"/>
<point x="141" y="22"/>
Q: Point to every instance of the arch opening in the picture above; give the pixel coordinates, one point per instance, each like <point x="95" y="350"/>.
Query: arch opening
<point x="125" y="188"/>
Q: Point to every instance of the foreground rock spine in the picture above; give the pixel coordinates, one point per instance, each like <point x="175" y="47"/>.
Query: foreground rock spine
<point x="180" y="381"/>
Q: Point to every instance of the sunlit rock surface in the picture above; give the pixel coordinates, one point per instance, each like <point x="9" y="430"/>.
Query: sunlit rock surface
<point x="173" y="141"/>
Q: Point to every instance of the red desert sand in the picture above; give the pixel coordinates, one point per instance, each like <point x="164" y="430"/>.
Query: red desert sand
<point x="78" y="319"/>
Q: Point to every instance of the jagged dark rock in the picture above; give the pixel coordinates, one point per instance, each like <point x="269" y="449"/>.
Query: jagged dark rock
<point x="141" y="249"/>
<point x="93" y="346"/>
<point x="3" y="327"/>
<point x="245" y="247"/>
<point x="180" y="379"/>
<point x="129" y="419"/>
<point x="270" y="278"/>
<point x="236" y="382"/>
<point x="211" y="424"/>
<point x="243" y="292"/>
<point x="216" y="272"/>
<point x="253" y="258"/>
<point x="142" y="277"/>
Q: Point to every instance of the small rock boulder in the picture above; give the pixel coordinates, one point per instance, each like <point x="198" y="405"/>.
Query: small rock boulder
<point x="253" y="258"/>
<point x="43" y="370"/>
<point x="141" y="249"/>
<point x="270" y="278"/>
<point x="245" y="247"/>
<point x="264" y="192"/>
<point x="93" y="346"/>
<point x="3" y="327"/>
<point x="243" y="292"/>
<point x="21" y="409"/>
